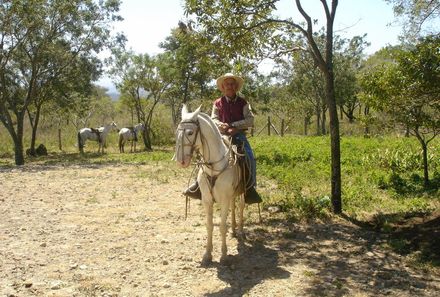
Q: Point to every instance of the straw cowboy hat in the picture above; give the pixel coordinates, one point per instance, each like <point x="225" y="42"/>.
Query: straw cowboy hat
<point x="221" y="79"/>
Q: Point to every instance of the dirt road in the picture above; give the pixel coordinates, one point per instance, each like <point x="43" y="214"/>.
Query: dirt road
<point x="119" y="230"/>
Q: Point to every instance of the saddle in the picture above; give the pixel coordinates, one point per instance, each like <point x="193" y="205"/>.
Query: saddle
<point x="133" y="131"/>
<point x="97" y="132"/>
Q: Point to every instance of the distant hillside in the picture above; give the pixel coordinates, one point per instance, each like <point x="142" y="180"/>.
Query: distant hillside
<point x="113" y="95"/>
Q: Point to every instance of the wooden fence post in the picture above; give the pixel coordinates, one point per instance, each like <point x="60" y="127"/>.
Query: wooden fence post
<point x="282" y="127"/>
<point x="268" y="125"/>
<point x="59" y="140"/>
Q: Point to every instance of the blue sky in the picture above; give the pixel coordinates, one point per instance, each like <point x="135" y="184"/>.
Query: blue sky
<point x="148" y="22"/>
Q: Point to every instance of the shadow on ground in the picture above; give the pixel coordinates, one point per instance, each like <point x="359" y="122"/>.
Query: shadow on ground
<point x="254" y="263"/>
<point x="339" y="258"/>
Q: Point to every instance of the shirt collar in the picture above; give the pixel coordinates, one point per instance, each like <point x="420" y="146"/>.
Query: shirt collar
<point x="231" y="99"/>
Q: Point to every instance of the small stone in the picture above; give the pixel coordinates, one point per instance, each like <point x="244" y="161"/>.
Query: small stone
<point x="165" y="262"/>
<point x="73" y="266"/>
<point x="274" y="209"/>
<point x="56" y="285"/>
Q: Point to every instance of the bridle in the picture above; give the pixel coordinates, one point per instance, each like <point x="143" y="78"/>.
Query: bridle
<point x="194" y="125"/>
<point x="183" y="127"/>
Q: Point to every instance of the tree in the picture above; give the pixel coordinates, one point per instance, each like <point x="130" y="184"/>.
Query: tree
<point x="408" y="88"/>
<point x="75" y="78"/>
<point x="142" y="79"/>
<point x="306" y="87"/>
<point x="348" y="61"/>
<point x="253" y="28"/>
<point x="416" y="16"/>
<point x="33" y="34"/>
<point x="192" y="61"/>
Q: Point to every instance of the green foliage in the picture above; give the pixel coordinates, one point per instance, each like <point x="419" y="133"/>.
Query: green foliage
<point x="380" y="175"/>
<point x="49" y="51"/>
<point x="416" y="16"/>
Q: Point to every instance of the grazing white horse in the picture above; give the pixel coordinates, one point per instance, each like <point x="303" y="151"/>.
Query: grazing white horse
<point x="218" y="177"/>
<point x="130" y="134"/>
<point x="96" y="134"/>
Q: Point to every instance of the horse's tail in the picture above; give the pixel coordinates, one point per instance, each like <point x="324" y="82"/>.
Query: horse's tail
<point x="80" y="144"/>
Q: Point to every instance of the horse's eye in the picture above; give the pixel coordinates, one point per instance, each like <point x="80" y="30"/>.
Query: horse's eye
<point x="190" y="133"/>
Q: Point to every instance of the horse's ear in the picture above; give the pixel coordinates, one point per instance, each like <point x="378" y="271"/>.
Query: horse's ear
<point x="184" y="110"/>
<point x="198" y="110"/>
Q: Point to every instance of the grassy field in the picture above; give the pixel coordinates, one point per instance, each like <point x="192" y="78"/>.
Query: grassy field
<point x="379" y="175"/>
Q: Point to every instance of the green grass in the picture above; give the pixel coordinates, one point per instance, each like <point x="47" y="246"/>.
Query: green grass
<point x="381" y="174"/>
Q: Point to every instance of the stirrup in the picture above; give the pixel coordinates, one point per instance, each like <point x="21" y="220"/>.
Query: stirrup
<point x="193" y="191"/>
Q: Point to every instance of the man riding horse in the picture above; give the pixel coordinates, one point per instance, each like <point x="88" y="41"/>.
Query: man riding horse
<point x="233" y="116"/>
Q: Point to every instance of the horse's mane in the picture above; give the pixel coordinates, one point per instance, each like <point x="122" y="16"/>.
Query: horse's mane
<point x="211" y="123"/>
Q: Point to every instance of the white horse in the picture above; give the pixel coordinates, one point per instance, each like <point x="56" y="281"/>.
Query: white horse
<point x="96" y="134"/>
<point x="218" y="177"/>
<point x="130" y="134"/>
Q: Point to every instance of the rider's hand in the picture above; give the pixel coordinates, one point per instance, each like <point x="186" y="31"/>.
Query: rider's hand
<point x="223" y="128"/>
<point x="232" y="131"/>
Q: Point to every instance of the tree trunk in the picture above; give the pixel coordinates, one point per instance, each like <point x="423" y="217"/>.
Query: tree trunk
<point x="324" y="120"/>
<point x="146" y="137"/>
<point x="318" y="120"/>
<point x="367" y="122"/>
<point x="306" y="125"/>
<point x="34" y="130"/>
<point x="425" y="157"/>
<point x="185" y="92"/>
<point x="18" y="140"/>
<point x="335" y="144"/>
<point x="425" y="165"/>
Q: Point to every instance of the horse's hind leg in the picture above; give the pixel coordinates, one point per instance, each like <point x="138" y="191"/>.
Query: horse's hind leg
<point x="233" y="220"/>
<point x="207" y="257"/>
<point x="241" y="217"/>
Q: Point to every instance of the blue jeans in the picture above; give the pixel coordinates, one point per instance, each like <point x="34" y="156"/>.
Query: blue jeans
<point x="238" y="139"/>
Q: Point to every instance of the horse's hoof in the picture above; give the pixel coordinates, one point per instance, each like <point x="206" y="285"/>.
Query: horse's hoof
<point x="225" y="260"/>
<point x="206" y="261"/>
<point x="241" y="235"/>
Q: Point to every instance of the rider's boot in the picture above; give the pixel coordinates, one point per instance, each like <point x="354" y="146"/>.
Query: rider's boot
<point x="193" y="191"/>
<point x="251" y="196"/>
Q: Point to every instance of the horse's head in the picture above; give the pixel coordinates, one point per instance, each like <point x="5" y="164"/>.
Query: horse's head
<point x="186" y="137"/>
<point x="139" y="127"/>
<point x="113" y="126"/>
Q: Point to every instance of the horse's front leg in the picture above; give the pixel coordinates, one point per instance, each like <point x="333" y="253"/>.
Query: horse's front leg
<point x="223" y="229"/>
<point x="207" y="258"/>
